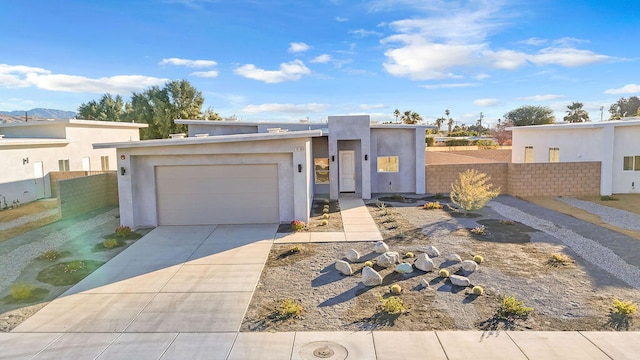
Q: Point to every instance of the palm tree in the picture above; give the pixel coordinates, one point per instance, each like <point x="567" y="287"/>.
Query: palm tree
<point x="396" y="113"/>
<point x="576" y="114"/>
<point x="406" y="117"/>
<point x="411" y="117"/>
<point x="439" y="122"/>
<point x="450" y="121"/>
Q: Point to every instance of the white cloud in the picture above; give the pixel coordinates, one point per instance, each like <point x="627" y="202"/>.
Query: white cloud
<point x="341" y="19"/>
<point x="289" y="71"/>
<point x="286" y="108"/>
<point x="296" y="47"/>
<point x="486" y="102"/>
<point x="206" y="74"/>
<point x="364" y="33"/>
<point x="448" y="86"/>
<point x="188" y="62"/>
<point x="482" y="76"/>
<point x="534" y="41"/>
<point x="25" y="76"/>
<point x="372" y="106"/>
<point x="506" y="59"/>
<point x="627" y="89"/>
<point x="547" y="97"/>
<point x="321" y="59"/>
<point x="568" y="57"/>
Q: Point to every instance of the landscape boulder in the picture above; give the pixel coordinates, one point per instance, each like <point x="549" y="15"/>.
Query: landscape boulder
<point x="455" y="258"/>
<point x="459" y="280"/>
<point x="388" y="259"/>
<point x="404" y="268"/>
<point x="370" y="277"/>
<point x="380" y="247"/>
<point x="432" y="251"/>
<point x="469" y="266"/>
<point x="344" y="267"/>
<point x="424" y="263"/>
<point x="352" y="255"/>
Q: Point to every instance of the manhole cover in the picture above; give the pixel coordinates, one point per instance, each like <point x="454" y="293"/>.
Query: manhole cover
<point x="323" y="350"/>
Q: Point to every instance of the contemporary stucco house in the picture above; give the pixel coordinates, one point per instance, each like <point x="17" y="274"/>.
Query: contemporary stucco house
<point x="29" y="151"/>
<point x="230" y="172"/>
<point x="614" y="144"/>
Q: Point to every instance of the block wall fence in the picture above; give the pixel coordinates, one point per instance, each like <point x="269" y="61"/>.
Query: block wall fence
<point x="524" y="180"/>
<point x="83" y="194"/>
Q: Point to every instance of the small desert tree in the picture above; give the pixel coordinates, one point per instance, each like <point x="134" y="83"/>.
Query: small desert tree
<point x="472" y="190"/>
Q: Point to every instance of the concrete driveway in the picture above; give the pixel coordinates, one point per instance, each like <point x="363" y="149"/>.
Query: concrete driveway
<point x="175" y="279"/>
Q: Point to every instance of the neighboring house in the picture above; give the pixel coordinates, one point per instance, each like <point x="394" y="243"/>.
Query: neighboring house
<point x="229" y="172"/>
<point x="30" y="150"/>
<point x="614" y="144"/>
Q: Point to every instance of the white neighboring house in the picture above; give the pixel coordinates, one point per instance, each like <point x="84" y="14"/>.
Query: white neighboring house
<point x="615" y="144"/>
<point x="29" y="151"/>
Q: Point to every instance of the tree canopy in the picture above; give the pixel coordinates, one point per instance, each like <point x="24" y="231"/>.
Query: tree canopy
<point x="411" y="117"/>
<point x="625" y="107"/>
<point x="530" y="115"/>
<point x="576" y="113"/>
<point x="156" y="106"/>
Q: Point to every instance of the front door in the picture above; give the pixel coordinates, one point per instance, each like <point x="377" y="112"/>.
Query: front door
<point x="347" y="170"/>
<point x="38" y="179"/>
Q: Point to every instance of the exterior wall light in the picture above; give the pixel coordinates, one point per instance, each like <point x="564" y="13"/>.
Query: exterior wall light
<point x="333" y="158"/>
<point x="299" y="168"/>
<point x="123" y="171"/>
<point x="366" y="157"/>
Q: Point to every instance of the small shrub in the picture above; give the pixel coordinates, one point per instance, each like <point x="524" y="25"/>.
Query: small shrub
<point x="50" y="255"/>
<point x="477" y="290"/>
<point x="486" y="144"/>
<point x="123" y="231"/>
<point x="397" y="197"/>
<point x="472" y="190"/>
<point x="389" y="219"/>
<point x="478" y="259"/>
<point x="368" y="263"/>
<point x="506" y="222"/>
<point x="298" y="225"/>
<point x="457" y="142"/>
<point x="558" y="259"/>
<point x="110" y="243"/>
<point x="325" y="216"/>
<point x="430" y="141"/>
<point x="325" y="222"/>
<point x="326" y="207"/>
<point x="479" y="230"/>
<point x="401" y="235"/>
<point x="380" y="204"/>
<point x="325" y="210"/>
<point x="289" y="308"/>
<point x="623" y="308"/>
<point x="443" y="273"/>
<point x="296" y="249"/>
<point x="393" y="225"/>
<point x="326" y="201"/>
<point x="21" y="291"/>
<point x="511" y="308"/>
<point x="438" y="196"/>
<point x="608" y="198"/>
<point x="393" y="305"/>
<point x="432" y="205"/>
<point x="395" y="289"/>
<point x="74" y="266"/>
<point x="409" y="254"/>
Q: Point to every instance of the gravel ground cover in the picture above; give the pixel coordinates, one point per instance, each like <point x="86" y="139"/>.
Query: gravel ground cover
<point x="616" y="217"/>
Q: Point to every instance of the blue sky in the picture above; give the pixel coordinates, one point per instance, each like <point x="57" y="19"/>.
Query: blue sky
<point x="288" y="60"/>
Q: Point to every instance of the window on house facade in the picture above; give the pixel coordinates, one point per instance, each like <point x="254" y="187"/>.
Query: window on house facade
<point x="63" y="165"/>
<point x="627" y="163"/>
<point x="528" y="154"/>
<point x="637" y="163"/>
<point x="388" y="164"/>
<point x="321" y="168"/>
<point x="554" y="154"/>
<point x="104" y="163"/>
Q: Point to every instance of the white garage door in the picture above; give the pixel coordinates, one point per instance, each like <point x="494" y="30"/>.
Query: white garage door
<point x="217" y="194"/>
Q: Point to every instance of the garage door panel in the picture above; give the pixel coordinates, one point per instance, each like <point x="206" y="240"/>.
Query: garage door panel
<point x="217" y="194"/>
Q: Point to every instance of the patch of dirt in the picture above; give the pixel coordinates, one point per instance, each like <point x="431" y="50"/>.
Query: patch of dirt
<point x="316" y="217"/>
<point x="516" y="262"/>
<point x="10" y="319"/>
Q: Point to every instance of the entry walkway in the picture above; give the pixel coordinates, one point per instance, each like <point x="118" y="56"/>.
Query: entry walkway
<point x="357" y="223"/>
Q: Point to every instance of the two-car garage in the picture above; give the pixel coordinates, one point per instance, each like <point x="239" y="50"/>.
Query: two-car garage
<point x="217" y="194"/>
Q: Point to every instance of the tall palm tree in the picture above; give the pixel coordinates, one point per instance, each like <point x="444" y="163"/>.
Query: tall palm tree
<point x="450" y="120"/>
<point x="396" y="113"/>
<point x="439" y="122"/>
<point x="576" y="114"/>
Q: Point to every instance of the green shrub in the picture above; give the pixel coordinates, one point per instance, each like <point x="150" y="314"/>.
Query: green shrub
<point x="326" y="206"/>
<point x="608" y="198"/>
<point x="325" y="210"/>
<point x="478" y="259"/>
<point x="289" y="308"/>
<point x="431" y="205"/>
<point x="506" y="222"/>
<point x="486" y="144"/>
<point x="393" y="305"/>
<point x="479" y="230"/>
<point x="472" y="190"/>
<point x="558" y="259"/>
<point x="296" y="249"/>
<point x="324" y="222"/>
<point x="389" y="219"/>
<point x="430" y="140"/>
<point x="380" y="204"/>
<point x="21" y="291"/>
<point x="511" y="309"/>
<point x="325" y="216"/>
<point x="110" y="243"/>
<point x="393" y="225"/>
<point x="395" y="289"/>
<point x="368" y="263"/>
<point x="326" y="201"/>
<point x="298" y="225"/>
<point x="438" y="196"/>
<point x="457" y="142"/>
<point x="397" y="197"/>
<point x="123" y="231"/>
<point x="443" y="273"/>
<point x="409" y="254"/>
<point x="50" y="255"/>
<point x="624" y="308"/>
<point x="74" y="266"/>
<point x="477" y="290"/>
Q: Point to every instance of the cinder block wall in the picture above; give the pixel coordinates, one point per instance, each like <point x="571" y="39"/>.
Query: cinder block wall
<point x="56" y="176"/>
<point x="83" y="194"/>
<point x="499" y="155"/>
<point x="554" y="179"/>
<point x="524" y="180"/>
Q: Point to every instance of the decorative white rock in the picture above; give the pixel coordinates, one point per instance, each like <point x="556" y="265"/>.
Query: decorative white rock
<point x="454" y="258"/>
<point x="424" y="263"/>
<point x="424" y="283"/>
<point x="352" y="255"/>
<point x="344" y="267"/>
<point x="390" y="258"/>
<point x="380" y="247"/>
<point x="469" y="266"/>
<point x="404" y="268"/>
<point x="459" y="280"/>
<point x="370" y="277"/>
<point x="432" y="251"/>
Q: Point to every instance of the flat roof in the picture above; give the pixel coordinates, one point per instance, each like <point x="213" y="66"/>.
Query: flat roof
<point x="12" y="142"/>
<point x="211" y="139"/>
<point x="73" y="122"/>
<point x="632" y="121"/>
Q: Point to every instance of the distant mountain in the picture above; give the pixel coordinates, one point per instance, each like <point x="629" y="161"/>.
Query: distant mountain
<point x="41" y="113"/>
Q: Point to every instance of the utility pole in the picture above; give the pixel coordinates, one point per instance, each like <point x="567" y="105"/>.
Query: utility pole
<point x="601" y="112"/>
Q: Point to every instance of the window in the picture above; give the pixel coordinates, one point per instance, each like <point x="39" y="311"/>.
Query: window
<point x="627" y="163"/>
<point x="554" y="154"/>
<point x="528" y="154"/>
<point x="104" y="162"/>
<point x="387" y="164"/>
<point x="321" y="168"/>
<point x="63" y="165"/>
<point x="637" y="163"/>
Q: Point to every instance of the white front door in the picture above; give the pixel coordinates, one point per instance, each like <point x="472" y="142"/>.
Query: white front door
<point x="38" y="179"/>
<point x="86" y="164"/>
<point x="347" y="170"/>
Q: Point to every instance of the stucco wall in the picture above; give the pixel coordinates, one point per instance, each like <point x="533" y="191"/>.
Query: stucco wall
<point x="626" y="143"/>
<point x="394" y="142"/>
<point x="320" y="148"/>
<point x="83" y="194"/>
<point x="576" y="145"/>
